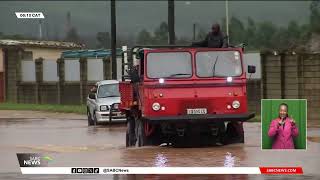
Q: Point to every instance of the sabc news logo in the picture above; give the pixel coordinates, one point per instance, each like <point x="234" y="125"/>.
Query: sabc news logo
<point x="33" y="160"/>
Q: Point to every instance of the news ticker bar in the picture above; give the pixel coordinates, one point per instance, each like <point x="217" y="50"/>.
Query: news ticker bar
<point x="161" y="170"/>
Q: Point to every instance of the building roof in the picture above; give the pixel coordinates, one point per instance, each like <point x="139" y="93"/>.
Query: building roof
<point x="97" y="53"/>
<point x="46" y="44"/>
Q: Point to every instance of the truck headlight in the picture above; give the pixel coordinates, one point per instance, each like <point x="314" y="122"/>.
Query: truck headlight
<point x="104" y="108"/>
<point x="229" y="79"/>
<point x="161" y="80"/>
<point x="235" y="104"/>
<point x="156" y="106"/>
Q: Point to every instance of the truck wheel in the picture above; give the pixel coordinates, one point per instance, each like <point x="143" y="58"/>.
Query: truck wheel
<point x="221" y="134"/>
<point x="130" y="134"/>
<point x="90" y="121"/>
<point x="234" y="133"/>
<point x="155" y="139"/>
<point x="180" y="142"/>
<point x="141" y="137"/>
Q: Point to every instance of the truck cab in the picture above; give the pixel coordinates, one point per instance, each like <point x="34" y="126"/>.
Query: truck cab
<point x="182" y="93"/>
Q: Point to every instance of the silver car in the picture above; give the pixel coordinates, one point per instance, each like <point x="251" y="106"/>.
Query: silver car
<point x="103" y="103"/>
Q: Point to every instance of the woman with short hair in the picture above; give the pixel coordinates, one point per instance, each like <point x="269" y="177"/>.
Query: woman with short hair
<point x="283" y="129"/>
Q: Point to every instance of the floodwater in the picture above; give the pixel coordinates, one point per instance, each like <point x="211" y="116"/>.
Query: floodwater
<point x="70" y="142"/>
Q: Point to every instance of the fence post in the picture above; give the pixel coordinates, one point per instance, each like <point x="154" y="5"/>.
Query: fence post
<point x="39" y="78"/>
<point x="83" y="79"/>
<point x="300" y="75"/>
<point x="282" y="74"/>
<point x="263" y="75"/>
<point x="60" y="84"/>
<point x="123" y="54"/>
<point x="18" y="75"/>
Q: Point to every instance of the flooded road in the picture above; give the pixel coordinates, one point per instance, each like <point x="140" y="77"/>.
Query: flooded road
<point x="70" y="142"/>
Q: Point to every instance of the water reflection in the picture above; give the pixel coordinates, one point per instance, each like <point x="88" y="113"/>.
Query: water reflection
<point x="227" y="156"/>
<point x="229" y="160"/>
<point x="160" y="160"/>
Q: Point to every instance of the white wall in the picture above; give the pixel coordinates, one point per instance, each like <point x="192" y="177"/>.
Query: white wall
<point x="28" y="71"/>
<point x="252" y="59"/>
<point x="119" y="68"/>
<point x="50" y="73"/>
<point x="45" y="53"/>
<point x="72" y="70"/>
<point x="95" y="69"/>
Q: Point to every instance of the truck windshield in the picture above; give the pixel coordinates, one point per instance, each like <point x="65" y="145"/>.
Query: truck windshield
<point x="218" y="64"/>
<point x="169" y="65"/>
<point x="108" y="90"/>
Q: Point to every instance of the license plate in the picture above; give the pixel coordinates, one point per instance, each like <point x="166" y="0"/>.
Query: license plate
<point x="197" y="111"/>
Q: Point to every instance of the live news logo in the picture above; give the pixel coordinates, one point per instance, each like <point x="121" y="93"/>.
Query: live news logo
<point x="85" y="170"/>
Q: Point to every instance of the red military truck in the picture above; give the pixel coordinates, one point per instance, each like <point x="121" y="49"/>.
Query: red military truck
<point x="183" y="95"/>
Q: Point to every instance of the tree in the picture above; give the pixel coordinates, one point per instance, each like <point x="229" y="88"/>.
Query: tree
<point x="14" y="37"/>
<point x="103" y="39"/>
<point x="237" y="31"/>
<point x="201" y="35"/>
<point x="144" y="37"/>
<point x="265" y="34"/>
<point x="183" y="41"/>
<point x="280" y="39"/>
<point x="293" y="30"/>
<point x="161" y="34"/>
<point x="305" y="32"/>
<point x="293" y="35"/>
<point x="315" y="17"/>
<point x="250" y="34"/>
<point x="72" y="35"/>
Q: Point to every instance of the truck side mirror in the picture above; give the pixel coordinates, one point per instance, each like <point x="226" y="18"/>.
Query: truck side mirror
<point x="93" y="89"/>
<point x="251" y="69"/>
<point x="92" y="95"/>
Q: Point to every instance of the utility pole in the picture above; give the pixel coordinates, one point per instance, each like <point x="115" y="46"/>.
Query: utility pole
<point x="113" y="40"/>
<point x="227" y="19"/>
<point x="171" y="22"/>
<point x="194" y="31"/>
<point x="40" y="29"/>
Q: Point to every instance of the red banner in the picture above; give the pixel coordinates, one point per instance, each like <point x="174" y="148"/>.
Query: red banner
<point x="281" y="170"/>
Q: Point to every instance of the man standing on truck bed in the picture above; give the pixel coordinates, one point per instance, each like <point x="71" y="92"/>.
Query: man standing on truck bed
<point x="214" y="39"/>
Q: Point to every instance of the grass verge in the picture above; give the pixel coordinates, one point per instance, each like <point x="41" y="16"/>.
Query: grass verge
<point x="79" y="109"/>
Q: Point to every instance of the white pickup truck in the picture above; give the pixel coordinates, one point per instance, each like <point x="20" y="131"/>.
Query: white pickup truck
<point x="103" y="103"/>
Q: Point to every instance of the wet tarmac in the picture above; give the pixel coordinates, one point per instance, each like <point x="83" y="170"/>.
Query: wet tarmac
<point x="70" y="142"/>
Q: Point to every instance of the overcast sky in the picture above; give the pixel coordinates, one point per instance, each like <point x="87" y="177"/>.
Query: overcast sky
<point x="90" y="17"/>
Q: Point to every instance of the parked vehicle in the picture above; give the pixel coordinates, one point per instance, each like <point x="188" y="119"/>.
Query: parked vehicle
<point x="178" y="94"/>
<point x="103" y="103"/>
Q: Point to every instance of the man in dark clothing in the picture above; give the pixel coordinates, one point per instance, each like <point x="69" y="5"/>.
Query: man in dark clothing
<point x="214" y="39"/>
